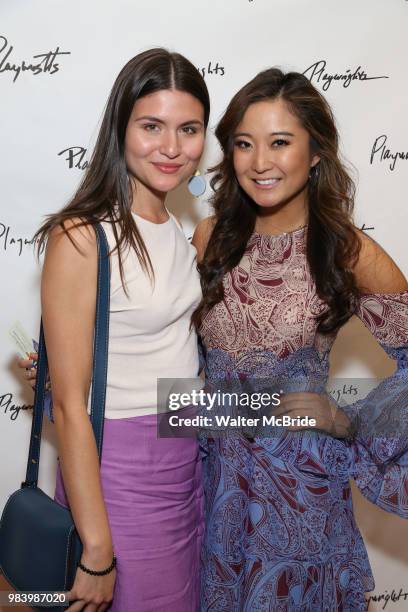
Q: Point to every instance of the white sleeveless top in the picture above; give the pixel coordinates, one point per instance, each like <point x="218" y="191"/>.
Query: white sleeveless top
<point x="149" y="329"/>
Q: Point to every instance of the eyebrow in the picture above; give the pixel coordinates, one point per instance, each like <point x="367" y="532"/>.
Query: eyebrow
<point x="271" y="134"/>
<point x="157" y="120"/>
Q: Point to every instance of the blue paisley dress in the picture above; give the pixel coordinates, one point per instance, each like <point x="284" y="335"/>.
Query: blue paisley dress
<point x="280" y="529"/>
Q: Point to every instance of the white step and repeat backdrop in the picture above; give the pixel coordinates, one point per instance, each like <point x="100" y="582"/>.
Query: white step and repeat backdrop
<point x="58" y="61"/>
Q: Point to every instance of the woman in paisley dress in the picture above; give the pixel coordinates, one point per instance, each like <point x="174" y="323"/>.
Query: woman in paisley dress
<point x="282" y="269"/>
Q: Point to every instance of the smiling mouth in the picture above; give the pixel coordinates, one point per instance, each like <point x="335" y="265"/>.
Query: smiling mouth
<point x="167" y="168"/>
<point x="266" y="181"/>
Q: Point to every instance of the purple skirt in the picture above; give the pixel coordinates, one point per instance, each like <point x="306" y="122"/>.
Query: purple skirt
<point x="154" y="498"/>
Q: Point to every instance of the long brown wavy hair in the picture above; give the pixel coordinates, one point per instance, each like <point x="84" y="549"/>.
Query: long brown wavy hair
<point x="332" y="242"/>
<point x="104" y="192"/>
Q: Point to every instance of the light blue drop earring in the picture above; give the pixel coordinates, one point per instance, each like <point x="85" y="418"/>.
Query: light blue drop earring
<point x="197" y="184"/>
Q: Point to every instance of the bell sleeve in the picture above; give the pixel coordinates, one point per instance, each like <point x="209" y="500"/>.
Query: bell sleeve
<point x="380" y="420"/>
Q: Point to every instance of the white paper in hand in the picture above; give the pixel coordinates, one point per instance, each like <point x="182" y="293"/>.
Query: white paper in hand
<point x="21" y="340"/>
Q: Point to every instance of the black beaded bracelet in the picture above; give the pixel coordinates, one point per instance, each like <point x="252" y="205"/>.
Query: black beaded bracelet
<point x="100" y="572"/>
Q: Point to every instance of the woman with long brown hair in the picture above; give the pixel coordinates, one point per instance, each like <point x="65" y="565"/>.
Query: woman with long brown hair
<point x="282" y="269"/>
<point x="143" y="504"/>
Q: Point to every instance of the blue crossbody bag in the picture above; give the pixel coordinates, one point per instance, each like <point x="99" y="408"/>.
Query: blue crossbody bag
<point x="39" y="545"/>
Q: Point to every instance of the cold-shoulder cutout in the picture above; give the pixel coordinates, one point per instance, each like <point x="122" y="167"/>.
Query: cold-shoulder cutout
<point x="375" y="270"/>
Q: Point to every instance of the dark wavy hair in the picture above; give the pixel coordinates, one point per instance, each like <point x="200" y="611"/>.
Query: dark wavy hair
<point x="104" y="192"/>
<point x="332" y="241"/>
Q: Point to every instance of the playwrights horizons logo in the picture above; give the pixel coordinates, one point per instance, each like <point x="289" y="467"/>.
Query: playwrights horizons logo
<point x="11" y="409"/>
<point x="211" y="68"/>
<point x="13" y="243"/>
<point x="76" y="157"/>
<point x="380" y="152"/>
<point x="45" y="63"/>
<point x="317" y="73"/>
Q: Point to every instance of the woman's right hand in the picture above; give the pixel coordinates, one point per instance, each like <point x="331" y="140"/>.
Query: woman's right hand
<point x="30" y="372"/>
<point x="92" y="593"/>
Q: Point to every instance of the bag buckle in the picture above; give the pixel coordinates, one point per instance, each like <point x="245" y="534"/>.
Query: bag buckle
<point x="27" y="483"/>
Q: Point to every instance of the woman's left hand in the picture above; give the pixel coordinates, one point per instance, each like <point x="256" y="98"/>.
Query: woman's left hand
<point x="328" y="416"/>
<point x="29" y="367"/>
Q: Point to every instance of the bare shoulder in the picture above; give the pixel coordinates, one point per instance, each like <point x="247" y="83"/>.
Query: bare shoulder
<point x="375" y="270"/>
<point x="75" y="238"/>
<point x="71" y="254"/>
<point x="202" y="235"/>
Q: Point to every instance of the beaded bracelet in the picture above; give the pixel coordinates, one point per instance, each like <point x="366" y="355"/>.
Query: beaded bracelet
<point x="100" y="572"/>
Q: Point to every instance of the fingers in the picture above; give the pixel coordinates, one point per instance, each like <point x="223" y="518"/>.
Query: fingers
<point x="28" y="362"/>
<point x="28" y="365"/>
<point x="297" y="409"/>
<point x="306" y="406"/>
<point x="82" y="606"/>
<point x="25" y="363"/>
<point x="30" y="376"/>
<point x="76" y="606"/>
<point x="69" y="597"/>
<point x="91" y="592"/>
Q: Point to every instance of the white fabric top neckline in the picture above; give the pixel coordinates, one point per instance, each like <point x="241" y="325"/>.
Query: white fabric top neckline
<point x="149" y="331"/>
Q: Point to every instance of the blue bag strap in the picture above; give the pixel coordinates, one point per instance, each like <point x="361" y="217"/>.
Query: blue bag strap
<point x="99" y="371"/>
